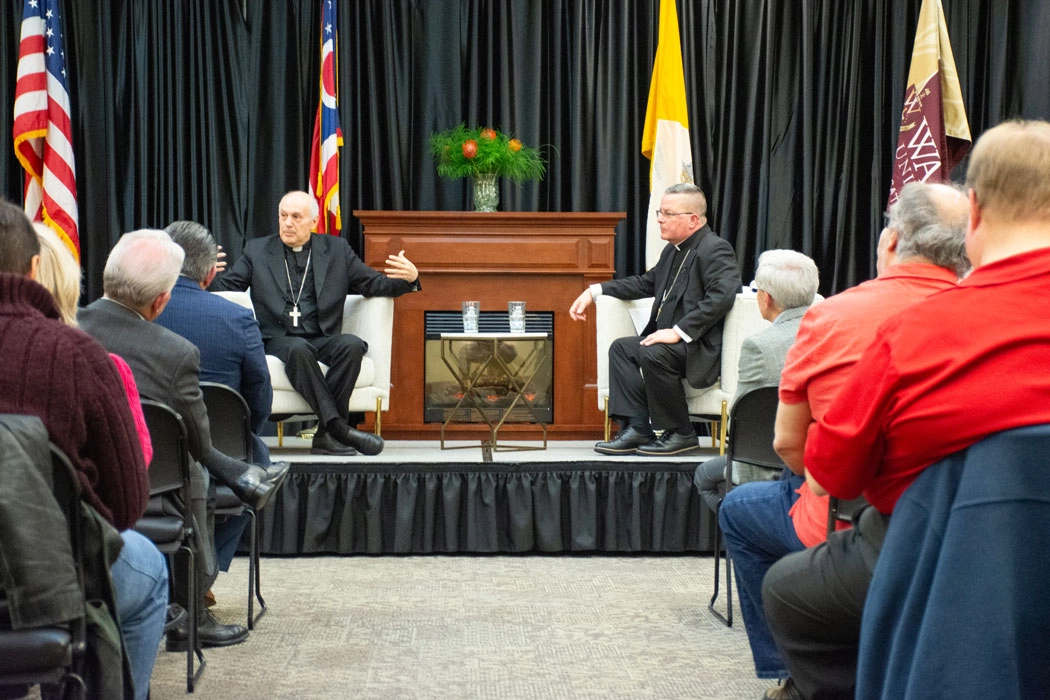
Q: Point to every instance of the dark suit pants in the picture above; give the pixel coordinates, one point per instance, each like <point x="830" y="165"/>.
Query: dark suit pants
<point x="813" y="601"/>
<point x="645" y="383"/>
<point x="328" y="395"/>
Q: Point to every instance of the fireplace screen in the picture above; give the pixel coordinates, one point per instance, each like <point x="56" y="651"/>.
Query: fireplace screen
<point x="528" y="360"/>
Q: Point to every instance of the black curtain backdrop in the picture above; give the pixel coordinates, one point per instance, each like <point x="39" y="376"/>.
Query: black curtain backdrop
<point x="204" y="109"/>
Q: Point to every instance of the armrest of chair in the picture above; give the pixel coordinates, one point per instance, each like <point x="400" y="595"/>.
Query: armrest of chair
<point x="612" y="320"/>
<point x="372" y="319"/>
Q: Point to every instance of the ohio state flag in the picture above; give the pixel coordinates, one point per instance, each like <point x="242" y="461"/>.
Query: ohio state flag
<point x="328" y="136"/>
<point x="934" y="133"/>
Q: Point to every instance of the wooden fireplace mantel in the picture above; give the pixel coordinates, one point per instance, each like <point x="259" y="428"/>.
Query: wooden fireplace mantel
<point x="545" y="259"/>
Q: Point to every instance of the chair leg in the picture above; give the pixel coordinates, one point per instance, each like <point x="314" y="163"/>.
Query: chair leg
<point x="379" y="415"/>
<point x="724" y="428"/>
<point x="254" y="578"/>
<point x="607" y="419"/>
<point x="726" y="619"/>
<point x="193" y="644"/>
<point x="280" y="433"/>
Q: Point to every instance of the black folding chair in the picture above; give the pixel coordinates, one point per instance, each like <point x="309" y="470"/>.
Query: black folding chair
<point x="51" y="655"/>
<point x="751" y="423"/>
<point x="231" y="434"/>
<point x="168" y="521"/>
<point x="843" y="511"/>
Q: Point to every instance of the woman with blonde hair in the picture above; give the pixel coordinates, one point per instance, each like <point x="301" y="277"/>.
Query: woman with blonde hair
<point x="60" y="274"/>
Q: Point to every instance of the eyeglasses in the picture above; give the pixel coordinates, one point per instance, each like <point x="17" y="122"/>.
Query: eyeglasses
<point x="664" y="214"/>
<point x="754" y="287"/>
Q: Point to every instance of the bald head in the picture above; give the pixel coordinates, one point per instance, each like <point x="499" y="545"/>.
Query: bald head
<point x="297" y="217"/>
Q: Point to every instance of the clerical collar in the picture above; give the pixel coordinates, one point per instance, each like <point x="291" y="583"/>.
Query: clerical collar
<point x="299" y="248"/>
<point x="687" y="243"/>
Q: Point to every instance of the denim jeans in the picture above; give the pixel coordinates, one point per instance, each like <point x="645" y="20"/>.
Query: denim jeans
<point x="758" y="531"/>
<point x="140" y="582"/>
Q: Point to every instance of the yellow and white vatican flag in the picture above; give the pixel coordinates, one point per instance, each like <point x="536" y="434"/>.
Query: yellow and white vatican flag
<point x="665" y="138"/>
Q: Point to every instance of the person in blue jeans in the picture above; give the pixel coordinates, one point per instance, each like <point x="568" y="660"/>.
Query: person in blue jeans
<point x="140" y="585"/>
<point x="756" y="541"/>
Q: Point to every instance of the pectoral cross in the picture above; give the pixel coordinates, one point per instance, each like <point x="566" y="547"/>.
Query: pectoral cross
<point x="295" y="314"/>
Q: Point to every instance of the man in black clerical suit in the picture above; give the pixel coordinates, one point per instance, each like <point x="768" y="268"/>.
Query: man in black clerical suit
<point x="298" y="283"/>
<point x="694" y="284"/>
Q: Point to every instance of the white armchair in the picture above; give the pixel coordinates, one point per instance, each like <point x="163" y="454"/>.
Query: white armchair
<point x="616" y="318"/>
<point x="369" y="318"/>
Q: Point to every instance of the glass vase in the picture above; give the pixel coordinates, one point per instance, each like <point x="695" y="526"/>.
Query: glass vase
<point x="486" y="192"/>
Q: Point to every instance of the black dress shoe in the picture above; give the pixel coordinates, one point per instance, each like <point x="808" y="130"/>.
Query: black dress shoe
<point x="326" y="444"/>
<point x="627" y="442"/>
<point x="210" y="633"/>
<point x="366" y="443"/>
<point x="253" y="487"/>
<point x="276" y="473"/>
<point x="671" y="443"/>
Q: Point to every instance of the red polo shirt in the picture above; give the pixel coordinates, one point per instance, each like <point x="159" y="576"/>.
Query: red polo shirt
<point x="941" y="375"/>
<point x="830" y="340"/>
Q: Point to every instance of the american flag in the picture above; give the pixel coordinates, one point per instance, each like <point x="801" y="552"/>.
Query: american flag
<point x="328" y="137"/>
<point x="42" y="132"/>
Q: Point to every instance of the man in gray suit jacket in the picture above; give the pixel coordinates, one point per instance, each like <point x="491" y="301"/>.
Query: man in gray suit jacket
<point x="298" y="284"/>
<point x="139" y="275"/>
<point x="694" y="283"/>
<point x="786" y="283"/>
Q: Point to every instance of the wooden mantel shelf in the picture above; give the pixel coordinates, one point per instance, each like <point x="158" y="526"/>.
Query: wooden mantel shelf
<point x="545" y="259"/>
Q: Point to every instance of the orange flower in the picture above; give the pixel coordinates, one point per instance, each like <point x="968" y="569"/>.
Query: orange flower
<point x="514" y="145"/>
<point x="470" y="148"/>
<point x="488" y="133"/>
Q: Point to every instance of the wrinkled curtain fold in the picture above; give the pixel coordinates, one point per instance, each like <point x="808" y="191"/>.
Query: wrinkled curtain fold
<point x="196" y="110"/>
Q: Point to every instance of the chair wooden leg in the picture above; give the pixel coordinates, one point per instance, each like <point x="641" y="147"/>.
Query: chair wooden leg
<point x="379" y="415"/>
<point x="280" y="433"/>
<point x="607" y="419"/>
<point x="724" y="428"/>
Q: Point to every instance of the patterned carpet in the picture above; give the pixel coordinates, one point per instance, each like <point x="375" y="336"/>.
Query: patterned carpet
<point x="466" y="627"/>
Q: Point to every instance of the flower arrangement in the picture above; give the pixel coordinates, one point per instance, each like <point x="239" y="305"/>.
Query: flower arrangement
<point x="463" y="152"/>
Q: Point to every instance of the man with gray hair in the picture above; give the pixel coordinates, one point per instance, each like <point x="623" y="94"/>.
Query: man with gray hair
<point x="226" y="333"/>
<point x="138" y="278"/>
<point x="920" y="252"/>
<point x="785" y="284"/>
<point x="693" y="285"/>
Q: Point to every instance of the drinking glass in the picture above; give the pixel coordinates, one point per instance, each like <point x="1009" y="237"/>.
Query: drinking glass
<point x="471" y="309"/>
<point x="516" y="313"/>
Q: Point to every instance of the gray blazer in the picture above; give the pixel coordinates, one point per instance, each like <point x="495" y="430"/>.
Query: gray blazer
<point x="762" y="355"/>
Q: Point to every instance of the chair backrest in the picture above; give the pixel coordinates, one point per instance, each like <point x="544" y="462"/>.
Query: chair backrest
<point x="751" y="421"/>
<point x="170" y="468"/>
<point x="229" y="419"/>
<point x="743" y="319"/>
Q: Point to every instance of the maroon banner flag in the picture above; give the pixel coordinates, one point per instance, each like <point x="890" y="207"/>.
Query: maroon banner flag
<point x="934" y="134"/>
<point x="328" y="136"/>
<point x="42" y="123"/>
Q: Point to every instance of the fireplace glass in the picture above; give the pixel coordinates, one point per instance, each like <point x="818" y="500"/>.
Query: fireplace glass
<point x="526" y="358"/>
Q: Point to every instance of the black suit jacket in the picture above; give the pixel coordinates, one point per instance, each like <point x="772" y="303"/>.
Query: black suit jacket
<point x="712" y="281"/>
<point x="337" y="272"/>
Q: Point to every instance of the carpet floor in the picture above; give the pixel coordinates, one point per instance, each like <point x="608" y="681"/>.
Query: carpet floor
<point x="501" y="627"/>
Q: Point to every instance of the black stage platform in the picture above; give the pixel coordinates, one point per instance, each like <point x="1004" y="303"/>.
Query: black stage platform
<point x="417" y="498"/>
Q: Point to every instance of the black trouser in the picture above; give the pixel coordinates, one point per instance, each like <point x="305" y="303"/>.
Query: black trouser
<point x="813" y="601"/>
<point x="328" y="395"/>
<point x="645" y="384"/>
